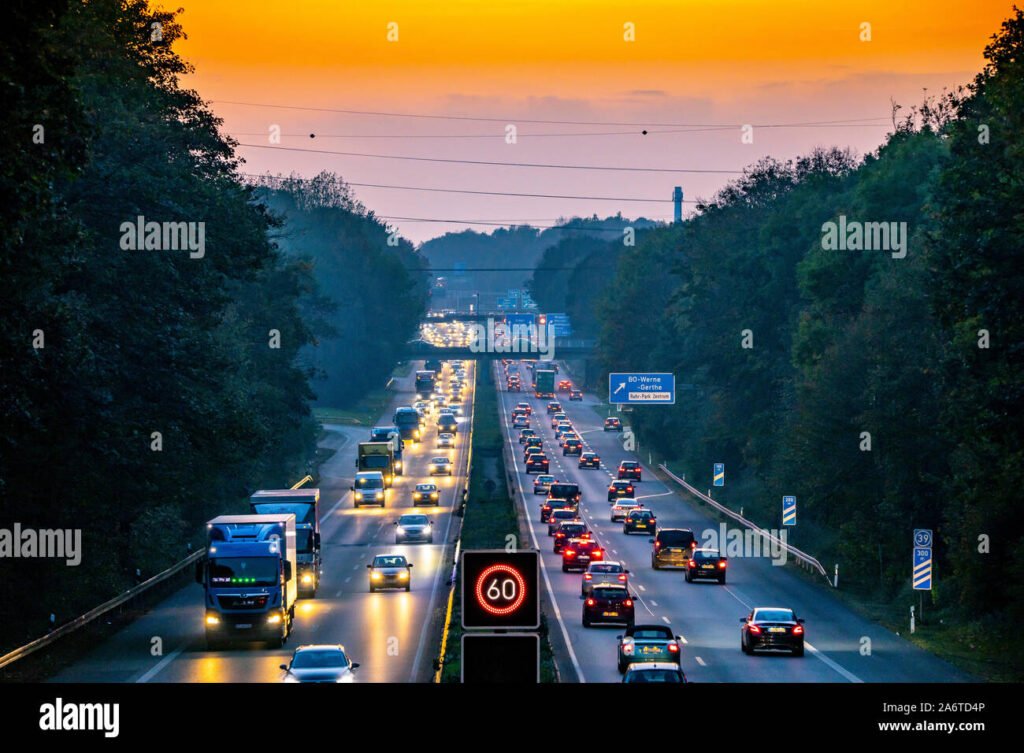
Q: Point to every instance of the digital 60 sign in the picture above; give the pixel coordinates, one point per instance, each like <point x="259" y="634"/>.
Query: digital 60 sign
<point x="500" y="590"/>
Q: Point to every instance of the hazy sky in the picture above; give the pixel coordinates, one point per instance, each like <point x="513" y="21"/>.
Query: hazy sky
<point x="696" y="72"/>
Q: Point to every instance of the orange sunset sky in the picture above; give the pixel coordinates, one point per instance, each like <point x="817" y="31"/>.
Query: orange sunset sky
<point x="696" y="72"/>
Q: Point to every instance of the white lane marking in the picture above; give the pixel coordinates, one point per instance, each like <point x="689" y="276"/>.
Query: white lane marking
<point x="649" y="496"/>
<point x="543" y="567"/>
<point x="644" y="589"/>
<point x="654" y="603"/>
<point x="682" y="639"/>
<point x="348" y="579"/>
<point x="667" y="620"/>
<point x="850" y="676"/>
<point x="699" y="661"/>
<point x="159" y="667"/>
<point x="339" y="592"/>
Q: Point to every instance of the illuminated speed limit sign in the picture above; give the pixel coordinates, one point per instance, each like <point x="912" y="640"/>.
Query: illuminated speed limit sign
<point x="500" y="590"/>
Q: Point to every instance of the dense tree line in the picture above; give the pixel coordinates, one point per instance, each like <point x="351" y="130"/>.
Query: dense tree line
<point x="145" y="388"/>
<point x="883" y="390"/>
<point x="373" y="283"/>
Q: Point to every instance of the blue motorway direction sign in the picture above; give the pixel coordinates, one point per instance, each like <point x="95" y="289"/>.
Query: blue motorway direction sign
<point x="641" y="389"/>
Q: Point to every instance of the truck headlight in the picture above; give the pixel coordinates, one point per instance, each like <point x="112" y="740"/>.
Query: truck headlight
<point x="274" y="619"/>
<point x="212" y="619"/>
<point x="398" y="465"/>
<point x="307" y="578"/>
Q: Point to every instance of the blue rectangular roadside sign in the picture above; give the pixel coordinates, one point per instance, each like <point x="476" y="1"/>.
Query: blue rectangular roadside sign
<point x="642" y="389"/>
<point x="789" y="511"/>
<point x="922" y="568"/>
<point x="719" y="474"/>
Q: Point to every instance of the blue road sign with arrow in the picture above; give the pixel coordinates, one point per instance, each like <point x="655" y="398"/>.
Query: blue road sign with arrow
<point x="641" y="389"/>
<point x="719" y="475"/>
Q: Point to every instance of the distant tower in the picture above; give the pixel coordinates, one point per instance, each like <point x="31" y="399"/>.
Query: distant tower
<point x="677" y="204"/>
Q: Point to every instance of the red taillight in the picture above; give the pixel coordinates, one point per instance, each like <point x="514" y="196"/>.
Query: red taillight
<point x="673" y="648"/>
<point x="623" y="577"/>
<point x="559" y="535"/>
<point x="691" y="563"/>
<point x="629" y="488"/>
<point x="754" y="628"/>
<point x="721" y="564"/>
<point x="798" y="630"/>
<point x="657" y="545"/>
<point x="570" y="552"/>
<point x="590" y="602"/>
<point x="653" y="521"/>
<point x="693" y="545"/>
<point x="628" y="602"/>
<point x="597" y="554"/>
<point x="587" y="576"/>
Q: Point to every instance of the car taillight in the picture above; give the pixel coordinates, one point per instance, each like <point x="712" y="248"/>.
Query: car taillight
<point x="570" y="552"/>
<point x="597" y="554"/>
<point x="628" y="602"/>
<point x="691" y="563"/>
<point x="652" y="521"/>
<point x="559" y="535"/>
<point x="590" y="602"/>
<point x="657" y="545"/>
<point x="754" y="629"/>
<point x="623" y="577"/>
<point x="587" y="576"/>
<point x="798" y="630"/>
<point x="693" y="544"/>
<point x="721" y="564"/>
<point x="629" y="488"/>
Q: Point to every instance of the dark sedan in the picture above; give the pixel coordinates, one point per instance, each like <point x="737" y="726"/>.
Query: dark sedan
<point x="608" y="604"/>
<point x="772" y="629"/>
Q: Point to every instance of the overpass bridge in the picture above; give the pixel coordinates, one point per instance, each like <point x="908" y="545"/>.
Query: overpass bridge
<point x="564" y="347"/>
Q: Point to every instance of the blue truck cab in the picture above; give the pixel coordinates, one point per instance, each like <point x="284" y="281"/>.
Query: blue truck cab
<point x="407" y="420"/>
<point x="304" y="504"/>
<point x="249" y="579"/>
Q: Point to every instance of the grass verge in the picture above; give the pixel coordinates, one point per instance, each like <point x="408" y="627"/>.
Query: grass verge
<point x="490" y="515"/>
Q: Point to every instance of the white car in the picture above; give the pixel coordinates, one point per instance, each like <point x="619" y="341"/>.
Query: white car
<point x="446" y="440"/>
<point x="622" y="508"/>
<point x="319" y="663"/>
<point x="440" y="466"/>
<point x="455" y="408"/>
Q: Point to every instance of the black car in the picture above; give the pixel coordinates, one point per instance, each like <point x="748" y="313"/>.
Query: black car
<point x="577" y="554"/>
<point x="620" y="489"/>
<point x="772" y="629"/>
<point x="526" y="434"/>
<point x="572" y="447"/>
<point x="608" y="604"/>
<point x="554" y="407"/>
<point x="568" y="529"/>
<point x="563" y="490"/>
<point x="590" y="460"/>
<point x="629" y="469"/>
<point x="640" y="521"/>
<point x="537" y="464"/>
<point x="612" y="424"/>
<point x="706" y="563"/>
<point x="575" y="394"/>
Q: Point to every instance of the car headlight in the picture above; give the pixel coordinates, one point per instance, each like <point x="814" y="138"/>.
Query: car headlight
<point x="400" y="530"/>
<point x="359" y="495"/>
<point x="375" y="575"/>
<point x="403" y="575"/>
<point x="426" y="529"/>
<point x="433" y="495"/>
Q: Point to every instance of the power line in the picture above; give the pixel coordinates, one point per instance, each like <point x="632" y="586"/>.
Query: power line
<point x="574" y="134"/>
<point x="491" y="163"/>
<point x="431" y="189"/>
<point x="481" y="119"/>
<point x="566" y="227"/>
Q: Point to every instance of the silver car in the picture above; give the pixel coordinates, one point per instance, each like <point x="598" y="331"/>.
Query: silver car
<point x="319" y="663"/>
<point x="414" y="527"/>
<point x="446" y="440"/>
<point x="624" y="507"/>
<point x="390" y="571"/>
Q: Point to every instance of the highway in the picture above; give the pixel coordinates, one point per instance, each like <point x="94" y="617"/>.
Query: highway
<point x="841" y="646"/>
<point x="388" y="633"/>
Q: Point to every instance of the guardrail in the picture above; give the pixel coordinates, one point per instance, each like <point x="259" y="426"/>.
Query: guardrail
<point x="102" y="609"/>
<point x="803" y="558"/>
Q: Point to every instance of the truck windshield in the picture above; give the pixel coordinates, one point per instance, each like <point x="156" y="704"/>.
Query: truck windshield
<point x="304" y="541"/>
<point x="375" y="461"/>
<point x="407" y="418"/>
<point x="244" y="571"/>
<point x="369" y="483"/>
<point x="303" y="513"/>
